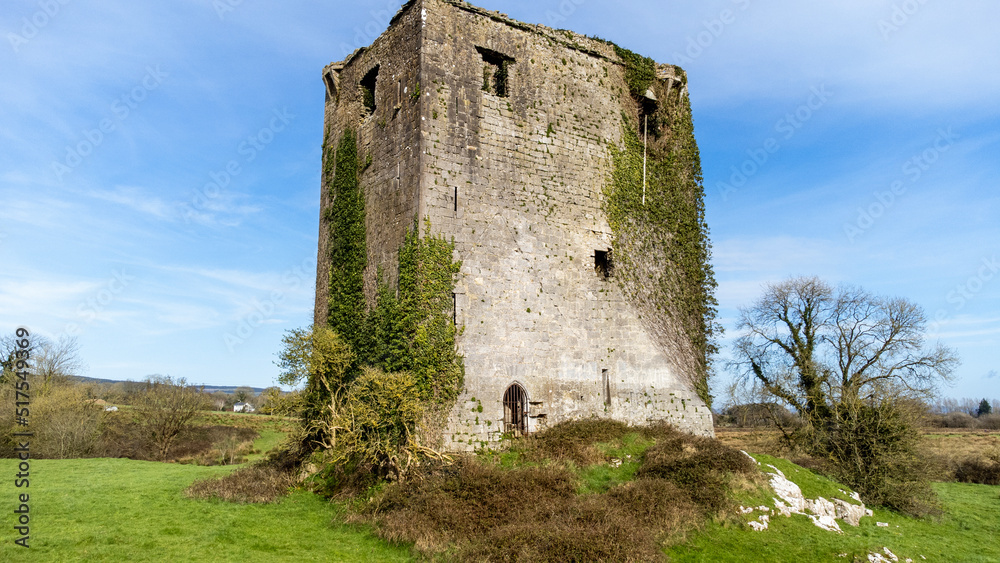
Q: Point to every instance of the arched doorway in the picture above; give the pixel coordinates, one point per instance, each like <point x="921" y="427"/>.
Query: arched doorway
<point x="515" y="403"/>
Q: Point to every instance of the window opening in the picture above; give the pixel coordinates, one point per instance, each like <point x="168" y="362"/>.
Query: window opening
<point x="515" y="417"/>
<point x="331" y="79"/>
<point x="496" y="71"/>
<point x="456" y="200"/>
<point x="368" y="90"/>
<point x="603" y="264"/>
<point x="606" y="380"/>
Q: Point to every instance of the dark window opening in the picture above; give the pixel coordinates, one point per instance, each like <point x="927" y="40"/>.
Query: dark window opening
<point x="603" y="264"/>
<point x="368" y="90"/>
<point x="456" y="199"/>
<point x="606" y="380"/>
<point x="515" y="419"/>
<point x="454" y="309"/>
<point x="496" y="71"/>
<point x="331" y="79"/>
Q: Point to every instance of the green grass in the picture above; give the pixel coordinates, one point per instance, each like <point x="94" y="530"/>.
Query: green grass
<point x="125" y="510"/>
<point x="966" y="531"/>
<point x="600" y="478"/>
<point x="266" y="442"/>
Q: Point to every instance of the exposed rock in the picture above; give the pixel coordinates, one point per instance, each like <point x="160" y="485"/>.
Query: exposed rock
<point x="822" y="512"/>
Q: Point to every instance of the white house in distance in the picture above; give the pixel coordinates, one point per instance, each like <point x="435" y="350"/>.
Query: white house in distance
<point x="243" y="407"/>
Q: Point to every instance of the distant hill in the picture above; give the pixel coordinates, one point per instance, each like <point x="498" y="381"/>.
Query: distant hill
<point x="208" y="388"/>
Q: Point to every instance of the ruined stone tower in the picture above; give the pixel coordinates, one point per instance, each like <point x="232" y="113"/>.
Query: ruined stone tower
<point x="502" y="136"/>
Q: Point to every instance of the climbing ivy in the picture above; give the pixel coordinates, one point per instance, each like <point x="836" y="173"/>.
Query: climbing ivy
<point x="414" y="330"/>
<point x="410" y="328"/>
<point x="640" y="71"/>
<point x="348" y="254"/>
<point x="662" y="248"/>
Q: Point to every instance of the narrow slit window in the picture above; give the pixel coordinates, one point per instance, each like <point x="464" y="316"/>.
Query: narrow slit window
<point x="496" y="71"/>
<point x="606" y="384"/>
<point x="455" y="202"/>
<point x="331" y="78"/>
<point x="603" y="264"/>
<point x="368" y="90"/>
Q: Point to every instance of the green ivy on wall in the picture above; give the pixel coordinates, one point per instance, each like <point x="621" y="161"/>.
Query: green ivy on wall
<point x="348" y="253"/>
<point x="662" y="247"/>
<point x="415" y="331"/>
<point x="411" y="327"/>
<point x="640" y="71"/>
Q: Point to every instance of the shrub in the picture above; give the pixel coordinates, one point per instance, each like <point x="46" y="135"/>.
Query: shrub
<point x="474" y="510"/>
<point x="698" y="466"/>
<point x="574" y="441"/>
<point x="978" y="471"/>
<point x="258" y="483"/>
<point x="990" y="422"/>
<point x="985" y="471"/>
<point x="958" y="420"/>
<point x="873" y="449"/>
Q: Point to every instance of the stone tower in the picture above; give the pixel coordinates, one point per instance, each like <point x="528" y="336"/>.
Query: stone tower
<point x="500" y="135"/>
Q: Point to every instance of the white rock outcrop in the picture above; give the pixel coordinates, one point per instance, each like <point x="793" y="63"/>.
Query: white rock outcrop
<point x="823" y="513"/>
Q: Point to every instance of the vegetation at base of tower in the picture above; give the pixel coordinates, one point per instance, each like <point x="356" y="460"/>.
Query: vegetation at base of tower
<point x="414" y="331"/>
<point x="379" y="378"/>
<point x="662" y="250"/>
<point x="588" y="490"/>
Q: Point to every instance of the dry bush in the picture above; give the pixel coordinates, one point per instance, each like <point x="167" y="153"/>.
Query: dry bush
<point x="984" y="470"/>
<point x="957" y="420"/>
<point x="574" y="441"/>
<point x="978" y="471"/>
<point x="989" y="422"/>
<point x="258" y="483"/>
<point x="699" y="466"/>
<point x="479" y="512"/>
<point x="473" y="510"/>
<point x="213" y="445"/>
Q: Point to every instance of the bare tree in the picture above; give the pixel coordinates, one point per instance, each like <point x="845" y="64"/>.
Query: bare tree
<point x="849" y="363"/>
<point x="57" y="360"/>
<point x="813" y="346"/>
<point x="167" y="406"/>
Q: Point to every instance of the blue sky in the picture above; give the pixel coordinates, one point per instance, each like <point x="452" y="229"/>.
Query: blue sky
<point x="160" y="174"/>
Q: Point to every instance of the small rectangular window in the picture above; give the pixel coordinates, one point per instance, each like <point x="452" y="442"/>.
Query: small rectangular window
<point x="603" y="264"/>
<point x="368" y="90"/>
<point x="496" y="71"/>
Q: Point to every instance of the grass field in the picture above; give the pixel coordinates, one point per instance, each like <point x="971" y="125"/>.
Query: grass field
<point x="965" y="534"/>
<point x="124" y="510"/>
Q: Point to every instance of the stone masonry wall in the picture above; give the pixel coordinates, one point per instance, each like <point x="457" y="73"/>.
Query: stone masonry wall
<point x="517" y="180"/>
<point x="528" y="170"/>
<point x="388" y="147"/>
